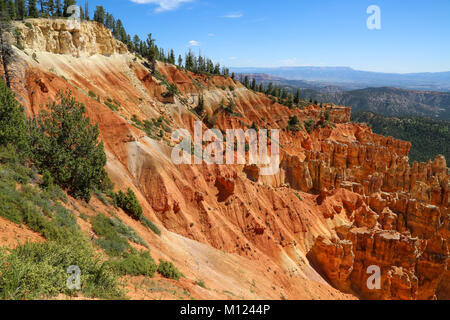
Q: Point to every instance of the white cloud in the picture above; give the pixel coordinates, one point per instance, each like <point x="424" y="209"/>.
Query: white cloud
<point x="163" y="5"/>
<point x="194" y="43"/>
<point x="211" y="35"/>
<point x="234" y="15"/>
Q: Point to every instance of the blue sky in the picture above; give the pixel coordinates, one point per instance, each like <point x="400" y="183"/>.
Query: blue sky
<point x="414" y="35"/>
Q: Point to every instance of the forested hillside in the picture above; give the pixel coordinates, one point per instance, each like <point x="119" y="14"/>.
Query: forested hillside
<point x="428" y="137"/>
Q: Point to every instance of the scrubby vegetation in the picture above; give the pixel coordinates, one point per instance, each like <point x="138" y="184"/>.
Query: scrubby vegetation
<point x="39" y="159"/>
<point x="168" y="270"/>
<point x="429" y="137"/>
<point x="294" y="124"/>
<point x="129" y="203"/>
<point x="310" y="125"/>
<point x="146" y="222"/>
<point x="39" y="270"/>
<point x="113" y="235"/>
<point x="135" y="264"/>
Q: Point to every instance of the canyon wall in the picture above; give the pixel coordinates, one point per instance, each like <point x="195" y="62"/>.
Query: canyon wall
<point x="345" y="199"/>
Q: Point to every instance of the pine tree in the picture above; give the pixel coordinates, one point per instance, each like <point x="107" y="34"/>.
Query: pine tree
<point x="6" y="51"/>
<point x="152" y="52"/>
<point x="32" y="10"/>
<point x="180" y="61"/>
<point x="64" y="143"/>
<point x="297" y="97"/>
<point x="109" y="21"/>
<point x="261" y="87"/>
<point x="58" y="8"/>
<point x="21" y="10"/>
<point x="172" y="57"/>
<point x="246" y="82"/>
<point x="12" y="120"/>
<point x="99" y="14"/>
<point x="11" y="9"/>
<point x="253" y="87"/>
<point x="189" y="61"/>
<point x="270" y="89"/>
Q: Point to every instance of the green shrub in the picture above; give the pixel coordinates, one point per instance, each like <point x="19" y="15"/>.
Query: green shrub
<point x="135" y="264"/>
<point x="294" y="124"/>
<point x="309" y="125"/>
<point x="35" y="271"/>
<point x="12" y="120"/>
<point x="39" y="270"/>
<point x="146" y="222"/>
<point x="114" y="235"/>
<point x="129" y="203"/>
<point x="92" y="94"/>
<point x="66" y="145"/>
<point x="109" y="239"/>
<point x="200" y="283"/>
<point x="168" y="270"/>
<point x="111" y="106"/>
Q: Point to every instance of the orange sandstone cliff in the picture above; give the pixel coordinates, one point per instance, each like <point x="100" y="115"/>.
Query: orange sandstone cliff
<point x="344" y="199"/>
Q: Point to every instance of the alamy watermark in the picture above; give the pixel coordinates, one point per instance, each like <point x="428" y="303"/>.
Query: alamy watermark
<point x="74" y="20"/>
<point x="374" y="280"/>
<point x="74" y="280"/>
<point x="374" y="20"/>
<point x="191" y="151"/>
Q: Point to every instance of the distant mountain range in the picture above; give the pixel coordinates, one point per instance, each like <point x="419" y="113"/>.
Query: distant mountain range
<point x="390" y="101"/>
<point x="351" y="79"/>
<point x="383" y="100"/>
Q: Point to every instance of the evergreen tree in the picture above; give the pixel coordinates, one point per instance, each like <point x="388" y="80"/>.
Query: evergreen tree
<point x="6" y="51"/>
<point x="217" y="68"/>
<point x="99" y="14"/>
<point x="21" y="10"/>
<point x="261" y="87"/>
<point x="136" y="43"/>
<point x="58" y="8"/>
<point x="253" y="87"/>
<point x="246" y="82"/>
<point x="180" y="61"/>
<point x="152" y="52"/>
<point x="189" y="61"/>
<point x="269" y="91"/>
<point x="11" y="9"/>
<point x="64" y="143"/>
<point x="109" y="21"/>
<point x="297" y="96"/>
<point x="32" y="10"/>
<point x="12" y="120"/>
<point x="172" y="57"/>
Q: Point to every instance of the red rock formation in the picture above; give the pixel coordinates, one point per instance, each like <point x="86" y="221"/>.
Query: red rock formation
<point x="377" y="210"/>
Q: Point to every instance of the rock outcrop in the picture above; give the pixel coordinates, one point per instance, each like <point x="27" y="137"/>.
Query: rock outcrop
<point x="62" y="36"/>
